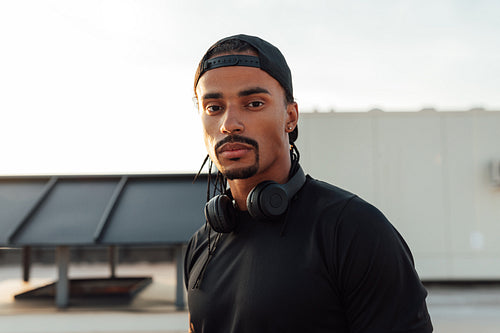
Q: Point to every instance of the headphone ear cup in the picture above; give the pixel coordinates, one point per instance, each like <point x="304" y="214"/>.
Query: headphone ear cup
<point x="220" y="214"/>
<point x="267" y="200"/>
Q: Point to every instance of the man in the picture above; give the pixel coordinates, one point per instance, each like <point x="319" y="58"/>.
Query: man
<point x="303" y="256"/>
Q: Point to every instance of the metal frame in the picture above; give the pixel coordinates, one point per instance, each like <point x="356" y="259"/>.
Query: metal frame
<point x="101" y="227"/>
<point x="45" y="193"/>
<point x="63" y="250"/>
<point x="62" y="284"/>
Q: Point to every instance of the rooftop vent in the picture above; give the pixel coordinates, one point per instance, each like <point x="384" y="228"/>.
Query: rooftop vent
<point x="495" y="172"/>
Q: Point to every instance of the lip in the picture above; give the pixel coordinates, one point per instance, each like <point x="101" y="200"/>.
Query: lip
<point x="234" y="150"/>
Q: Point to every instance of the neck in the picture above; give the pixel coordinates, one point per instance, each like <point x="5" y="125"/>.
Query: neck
<point x="240" y="188"/>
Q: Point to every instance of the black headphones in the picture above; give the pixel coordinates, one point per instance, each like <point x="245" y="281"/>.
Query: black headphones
<point x="267" y="200"/>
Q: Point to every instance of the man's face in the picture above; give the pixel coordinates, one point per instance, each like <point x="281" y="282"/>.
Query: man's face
<point x="245" y="118"/>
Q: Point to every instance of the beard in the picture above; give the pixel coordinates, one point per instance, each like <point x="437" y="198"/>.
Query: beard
<point x="243" y="172"/>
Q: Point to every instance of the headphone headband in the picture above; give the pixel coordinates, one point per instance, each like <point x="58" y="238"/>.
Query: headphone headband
<point x="295" y="183"/>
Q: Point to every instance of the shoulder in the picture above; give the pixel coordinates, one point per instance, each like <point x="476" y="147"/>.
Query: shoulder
<point x="321" y="199"/>
<point x="196" y="246"/>
<point x="326" y="196"/>
<point x="330" y="202"/>
<point x="197" y="243"/>
<point x="324" y="193"/>
<point x="345" y="219"/>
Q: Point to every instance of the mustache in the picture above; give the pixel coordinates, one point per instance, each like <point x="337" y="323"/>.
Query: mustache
<point x="236" y="138"/>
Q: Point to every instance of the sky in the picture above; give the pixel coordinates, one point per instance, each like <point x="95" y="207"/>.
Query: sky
<point x="106" y="86"/>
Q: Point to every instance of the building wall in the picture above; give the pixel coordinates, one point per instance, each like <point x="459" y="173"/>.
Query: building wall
<point x="428" y="172"/>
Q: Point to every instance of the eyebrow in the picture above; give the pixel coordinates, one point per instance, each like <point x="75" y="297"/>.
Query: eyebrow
<point x="252" y="91"/>
<point x="212" y="96"/>
<point x="243" y="93"/>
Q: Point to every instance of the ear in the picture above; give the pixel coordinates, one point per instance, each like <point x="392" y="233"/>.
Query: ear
<point x="292" y="111"/>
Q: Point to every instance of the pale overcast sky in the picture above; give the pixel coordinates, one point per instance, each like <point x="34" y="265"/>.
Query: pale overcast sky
<point x="106" y="86"/>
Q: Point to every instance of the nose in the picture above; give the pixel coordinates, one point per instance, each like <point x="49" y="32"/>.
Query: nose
<point x="231" y="121"/>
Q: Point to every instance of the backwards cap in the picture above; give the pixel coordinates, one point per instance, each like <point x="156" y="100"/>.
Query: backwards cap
<point x="269" y="59"/>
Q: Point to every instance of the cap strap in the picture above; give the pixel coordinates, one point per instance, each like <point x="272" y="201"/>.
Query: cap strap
<point x="230" y="60"/>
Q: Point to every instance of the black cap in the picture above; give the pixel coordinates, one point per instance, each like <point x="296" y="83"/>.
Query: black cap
<point x="269" y="59"/>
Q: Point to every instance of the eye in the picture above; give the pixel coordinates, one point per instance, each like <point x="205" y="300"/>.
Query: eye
<point x="255" y="104"/>
<point x="213" y="108"/>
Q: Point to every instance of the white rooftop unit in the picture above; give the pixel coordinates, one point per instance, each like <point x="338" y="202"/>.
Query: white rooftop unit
<point x="435" y="175"/>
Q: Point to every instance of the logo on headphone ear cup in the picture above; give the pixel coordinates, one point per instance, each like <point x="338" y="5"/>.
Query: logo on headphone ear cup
<point x="267" y="200"/>
<point x="220" y="214"/>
